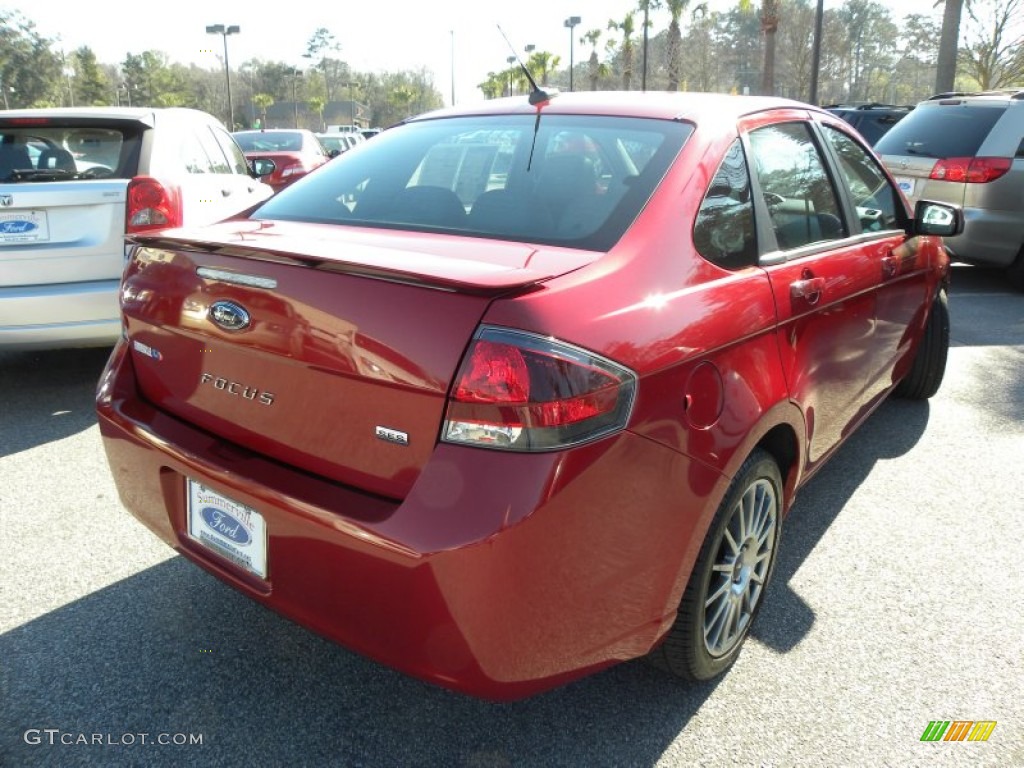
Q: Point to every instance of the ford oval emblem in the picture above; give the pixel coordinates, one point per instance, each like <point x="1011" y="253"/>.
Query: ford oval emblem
<point x="16" y="227"/>
<point x="226" y="525"/>
<point x="229" y="316"/>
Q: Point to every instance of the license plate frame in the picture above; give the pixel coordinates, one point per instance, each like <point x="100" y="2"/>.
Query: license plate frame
<point x="906" y="183"/>
<point x="24" y="226"/>
<point x="227" y="528"/>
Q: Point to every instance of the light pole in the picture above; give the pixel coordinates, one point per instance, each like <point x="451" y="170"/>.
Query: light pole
<point x="69" y="72"/>
<point x="351" y="101"/>
<point x="453" y="67"/>
<point x="296" y="74"/>
<point x="571" y="22"/>
<point x="223" y="31"/>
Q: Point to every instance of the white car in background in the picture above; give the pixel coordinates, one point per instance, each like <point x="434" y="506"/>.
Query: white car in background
<point x="74" y="182"/>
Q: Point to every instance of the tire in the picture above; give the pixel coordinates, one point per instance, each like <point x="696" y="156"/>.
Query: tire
<point x="726" y="588"/>
<point x="929" y="365"/>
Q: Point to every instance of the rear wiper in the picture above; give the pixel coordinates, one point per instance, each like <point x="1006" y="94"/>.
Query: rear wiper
<point x="920" y="152"/>
<point x="40" y="174"/>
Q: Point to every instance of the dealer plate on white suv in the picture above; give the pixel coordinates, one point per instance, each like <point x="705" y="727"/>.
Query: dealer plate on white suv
<point x="228" y="528"/>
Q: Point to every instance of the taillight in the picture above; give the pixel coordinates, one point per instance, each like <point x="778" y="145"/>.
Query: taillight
<point x="516" y="391"/>
<point x="151" y="205"/>
<point x="294" y="168"/>
<point x="971" y="170"/>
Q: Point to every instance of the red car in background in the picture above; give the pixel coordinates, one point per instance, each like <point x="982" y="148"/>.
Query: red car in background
<point x="295" y="152"/>
<point x="524" y="389"/>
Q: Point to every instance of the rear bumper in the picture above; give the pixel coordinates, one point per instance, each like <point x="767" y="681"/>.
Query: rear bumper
<point x="990" y="238"/>
<point x="60" y="315"/>
<point x="499" y="575"/>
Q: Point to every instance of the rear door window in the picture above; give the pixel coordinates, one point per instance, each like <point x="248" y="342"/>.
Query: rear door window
<point x="875" y="199"/>
<point x="231" y="149"/>
<point x="796" y="188"/>
<point x="193" y="155"/>
<point x="218" y="162"/>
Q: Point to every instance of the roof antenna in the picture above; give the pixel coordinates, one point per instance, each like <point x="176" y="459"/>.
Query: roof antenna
<point x="537" y="96"/>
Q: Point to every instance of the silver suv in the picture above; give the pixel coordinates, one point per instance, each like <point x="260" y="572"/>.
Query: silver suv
<point x="74" y="182"/>
<point x="968" y="149"/>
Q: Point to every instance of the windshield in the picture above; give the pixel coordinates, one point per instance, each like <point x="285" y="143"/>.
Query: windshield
<point x="574" y="180"/>
<point x="44" y="149"/>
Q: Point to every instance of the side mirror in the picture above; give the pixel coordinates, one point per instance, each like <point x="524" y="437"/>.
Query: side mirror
<point x="333" y="153"/>
<point x="261" y="167"/>
<point x="939" y="219"/>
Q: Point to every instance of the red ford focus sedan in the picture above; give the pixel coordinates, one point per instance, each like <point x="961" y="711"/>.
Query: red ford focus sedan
<point x="522" y="390"/>
<point x="294" y="153"/>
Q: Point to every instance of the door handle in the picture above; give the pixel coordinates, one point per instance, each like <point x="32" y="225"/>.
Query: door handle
<point x="226" y="192"/>
<point x="809" y="289"/>
<point x="890" y="266"/>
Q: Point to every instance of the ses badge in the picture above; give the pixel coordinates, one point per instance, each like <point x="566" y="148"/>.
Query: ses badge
<point x="227" y="527"/>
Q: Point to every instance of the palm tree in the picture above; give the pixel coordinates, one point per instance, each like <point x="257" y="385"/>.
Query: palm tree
<point x="400" y="98"/>
<point x="262" y="102"/>
<point x="675" y="41"/>
<point x="316" y="104"/>
<point x="945" y="69"/>
<point x="769" y="26"/>
<point x="627" y="28"/>
<point x="540" y="63"/>
<point x="595" y="68"/>
<point x="646" y="6"/>
<point x="493" y="86"/>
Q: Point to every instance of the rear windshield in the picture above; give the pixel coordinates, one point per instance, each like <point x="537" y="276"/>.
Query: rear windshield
<point x="941" y="131"/>
<point x="333" y="142"/>
<point x="260" y="141"/>
<point x="43" y="149"/>
<point x="569" y="180"/>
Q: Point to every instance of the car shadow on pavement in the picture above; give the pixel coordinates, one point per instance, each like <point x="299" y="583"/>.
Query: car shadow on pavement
<point x="891" y="431"/>
<point x="48" y="395"/>
<point x="172" y="651"/>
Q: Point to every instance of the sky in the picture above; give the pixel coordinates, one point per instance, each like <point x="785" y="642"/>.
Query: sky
<point x="374" y="36"/>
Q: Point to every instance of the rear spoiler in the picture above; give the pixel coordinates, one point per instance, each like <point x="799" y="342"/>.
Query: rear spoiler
<point x="396" y="257"/>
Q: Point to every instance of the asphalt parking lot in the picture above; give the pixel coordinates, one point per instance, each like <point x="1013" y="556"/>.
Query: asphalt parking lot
<point x="896" y="602"/>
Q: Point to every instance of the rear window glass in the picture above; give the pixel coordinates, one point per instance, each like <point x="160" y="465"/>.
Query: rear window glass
<point x="36" y="150"/>
<point x="569" y="180"/>
<point x="941" y="131"/>
<point x="276" y="141"/>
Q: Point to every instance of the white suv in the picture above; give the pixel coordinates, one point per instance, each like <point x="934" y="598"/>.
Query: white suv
<point x="74" y="182"/>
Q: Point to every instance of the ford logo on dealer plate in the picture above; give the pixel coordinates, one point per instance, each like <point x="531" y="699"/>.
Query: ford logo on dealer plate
<point x="226" y="525"/>
<point x="16" y="226"/>
<point x="229" y="316"/>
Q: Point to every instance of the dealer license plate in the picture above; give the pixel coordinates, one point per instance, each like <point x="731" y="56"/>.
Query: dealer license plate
<point x="906" y="183"/>
<point x="24" y="227"/>
<point x="227" y="527"/>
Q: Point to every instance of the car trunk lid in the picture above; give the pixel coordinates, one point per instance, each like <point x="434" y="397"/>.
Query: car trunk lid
<point x="351" y="343"/>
